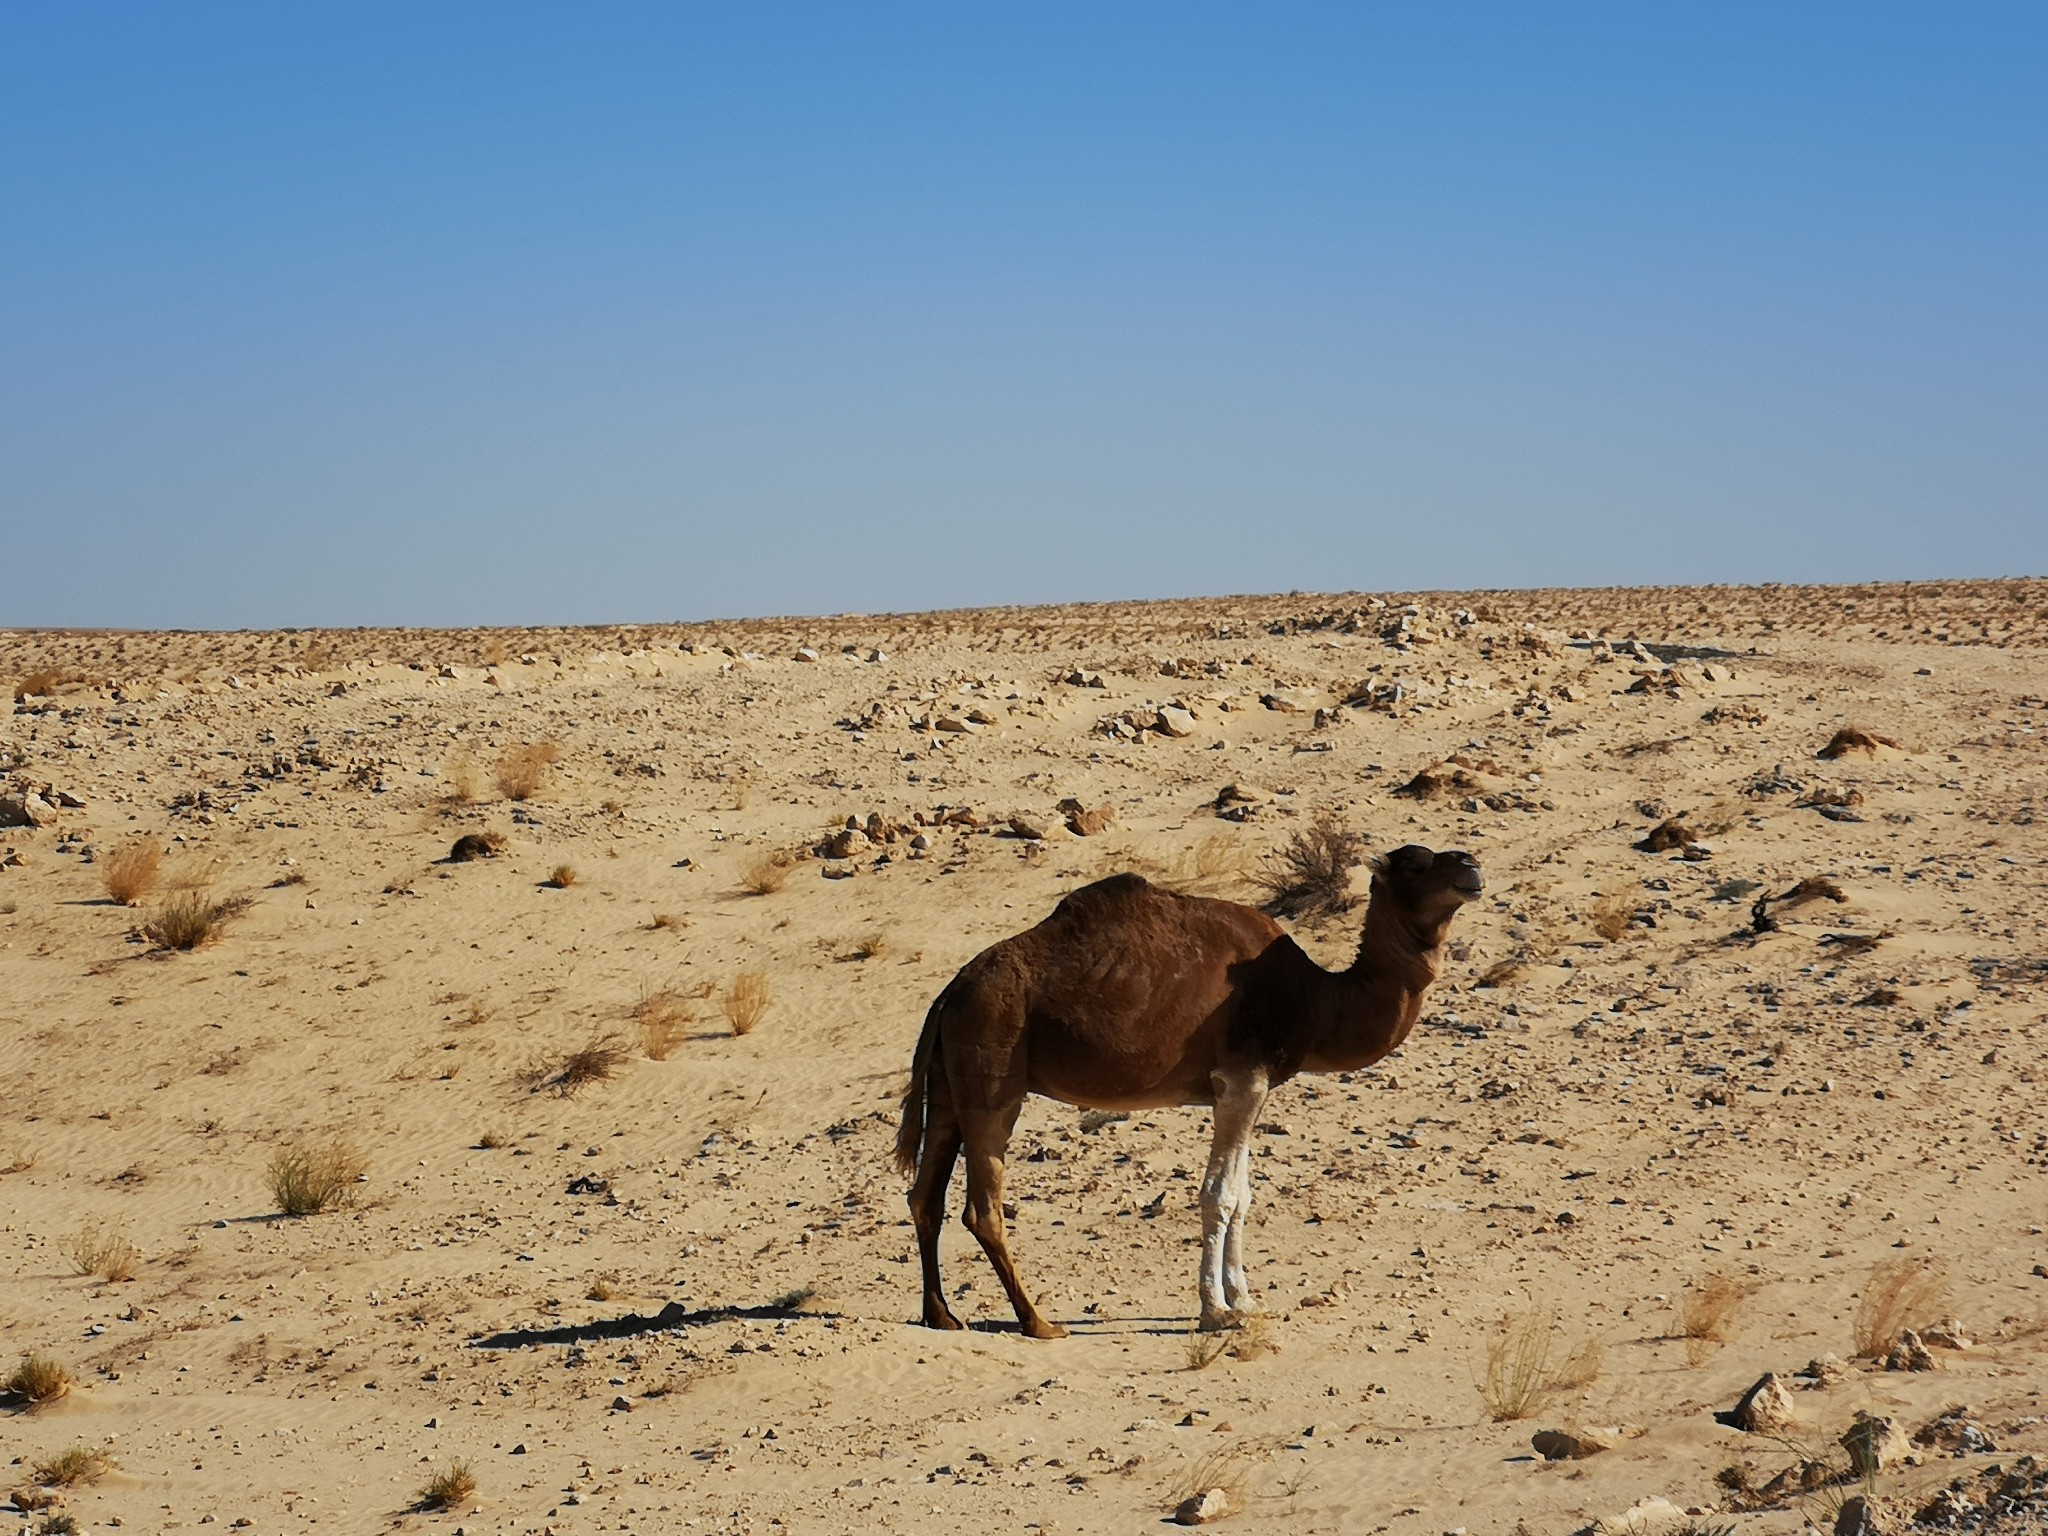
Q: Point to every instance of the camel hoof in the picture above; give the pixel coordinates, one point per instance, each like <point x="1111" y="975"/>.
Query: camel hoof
<point x="1039" y="1328"/>
<point x="1220" y="1322"/>
<point x="945" y="1321"/>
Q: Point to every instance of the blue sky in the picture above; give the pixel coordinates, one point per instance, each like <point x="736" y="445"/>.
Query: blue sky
<point x="442" y="313"/>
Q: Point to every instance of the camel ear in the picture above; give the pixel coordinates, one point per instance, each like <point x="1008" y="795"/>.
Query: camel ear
<point x="1377" y="864"/>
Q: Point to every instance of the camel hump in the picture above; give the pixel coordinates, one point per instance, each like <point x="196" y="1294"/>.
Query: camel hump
<point x="1117" y="893"/>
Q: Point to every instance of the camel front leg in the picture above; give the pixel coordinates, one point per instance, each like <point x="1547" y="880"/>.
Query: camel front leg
<point x="1240" y="1091"/>
<point x="1237" y="1293"/>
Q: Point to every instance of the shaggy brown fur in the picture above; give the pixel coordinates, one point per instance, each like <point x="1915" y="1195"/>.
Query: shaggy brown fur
<point x="475" y="845"/>
<point x="1133" y="997"/>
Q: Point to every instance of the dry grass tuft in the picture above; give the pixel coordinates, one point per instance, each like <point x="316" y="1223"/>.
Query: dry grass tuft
<point x="603" y="1288"/>
<point x="767" y="873"/>
<point x="1217" y="864"/>
<point x="662" y="920"/>
<point x="67" y="1469"/>
<point x="521" y="771"/>
<point x="308" y="1179"/>
<point x="39" y="1379"/>
<point x="1528" y="1367"/>
<point x="562" y="876"/>
<point x="106" y="1254"/>
<point x="1901" y="1293"/>
<point x="449" y="1487"/>
<point x="191" y="918"/>
<point x="663" y="1017"/>
<point x="871" y="946"/>
<point x="1229" y="1468"/>
<point x="1309" y="875"/>
<point x="745" y="1001"/>
<point x="1707" y="1311"/>
<point x="131" y="871"/>
<point x="1611" y="918"/>
<point x="460" y="788"/>
<point x="490" y="1141"/>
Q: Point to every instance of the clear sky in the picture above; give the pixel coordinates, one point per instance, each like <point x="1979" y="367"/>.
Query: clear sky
<point x="439" y="313"/>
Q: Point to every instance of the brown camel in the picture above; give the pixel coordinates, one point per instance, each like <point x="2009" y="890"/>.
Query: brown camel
<point x="1133" y="997"/>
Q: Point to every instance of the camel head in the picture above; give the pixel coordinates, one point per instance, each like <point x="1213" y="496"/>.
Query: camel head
<point x="1426" y="888"/>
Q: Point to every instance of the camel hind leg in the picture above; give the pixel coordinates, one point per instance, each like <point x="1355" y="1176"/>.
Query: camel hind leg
<point x="987" y="1134"/>
<point x="928" y="1199"/>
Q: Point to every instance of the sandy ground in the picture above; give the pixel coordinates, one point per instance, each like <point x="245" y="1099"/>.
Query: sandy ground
<point x="717" y="1332"/>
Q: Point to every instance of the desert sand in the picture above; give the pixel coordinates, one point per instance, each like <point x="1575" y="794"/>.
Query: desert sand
<point x="681" y="1295"/>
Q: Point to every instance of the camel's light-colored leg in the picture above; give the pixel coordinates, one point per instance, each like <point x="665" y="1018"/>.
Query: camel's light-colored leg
<point x="1240" y="1091"/>
<point x="987" y="1134"/>
<point x="1237" y="1215"/>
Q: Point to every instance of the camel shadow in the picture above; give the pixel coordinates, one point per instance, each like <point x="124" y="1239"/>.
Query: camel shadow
<point x="633" y="1324"/>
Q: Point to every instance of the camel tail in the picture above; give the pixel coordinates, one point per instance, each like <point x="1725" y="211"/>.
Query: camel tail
<point x="910" y="1130"/>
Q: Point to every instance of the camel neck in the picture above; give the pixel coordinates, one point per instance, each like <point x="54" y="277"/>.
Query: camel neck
<point x="1370" y="1008"/>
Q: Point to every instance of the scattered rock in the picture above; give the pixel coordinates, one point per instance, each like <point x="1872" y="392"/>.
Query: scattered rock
<point x="1766" y="1408"/>
<point x="1874" y="1444"/>
<point x="1176" y="721"/>
<point x="1861" y="1515"/>
<point x="846" y="843"/>
<point x="1955" y="1432"/>
<point x="1080" y="678"/>
<point x="1281" y="703"/>
<point x="1027" y="827"/>
<point x="1204" y="1508"/>
<point x="1087" y="823"/>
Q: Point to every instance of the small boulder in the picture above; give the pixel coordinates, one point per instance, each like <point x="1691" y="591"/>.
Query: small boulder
<point x="1204" y="1508"/>
<point x="1175" y="721"/>
<point x="1946" y="1334"/>
<point x="1822" y="1373"/>
<point x="1565" y="1445"/>
<point x="476" y="845"/>
<point x="1765" y="1409"/>
<point x="1861" y="1515"/>
<point x="1874" y="1444"/>
<point x="846" y="843"/>
<point x="1086" y="823"/>
<point x="1911" y="1354"/>
<point x="1027" y="827"/>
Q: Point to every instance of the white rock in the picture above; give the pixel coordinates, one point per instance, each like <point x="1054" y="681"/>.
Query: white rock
<point x="1204" y="1508"/>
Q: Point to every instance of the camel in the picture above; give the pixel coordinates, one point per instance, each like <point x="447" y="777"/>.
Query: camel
<point x="1134" y="997"/>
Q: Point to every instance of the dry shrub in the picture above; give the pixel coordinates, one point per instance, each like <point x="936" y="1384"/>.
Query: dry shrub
<point x="745" y="1001"/>
<point x="43" y="682"/>
<point x="1218" y="863"/>
<point x="1251" y="1340"/>
<point x="39" y="1379"/>
<point x="1309" y="875"/>
<point x="67" y="1469"/>
<point x="1611" y="918"/>
<point x="603" y="1288"/>
<point x="871" y="946"/>
<point x="662" y="920"/>
<point x="106" y="1254"/>
<point x="1901" y="1293"/>
<point x="1812" y="888"/>
<point x="190" y="918"/>
<point x="490" y="1141"/>
<point x="448" y="1487"/>
<point x="307" y="1179"/>
<point x="594" y="1062"/>
<point x="521" y="771"/>
<point x="562" y="876"/>
<point x="767" y="873"/>
<point x="1501" y="972"/>
<point x="131" y="871"/>
<point x="1528" y="1367"/>
<point x="663" y="1017"/>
